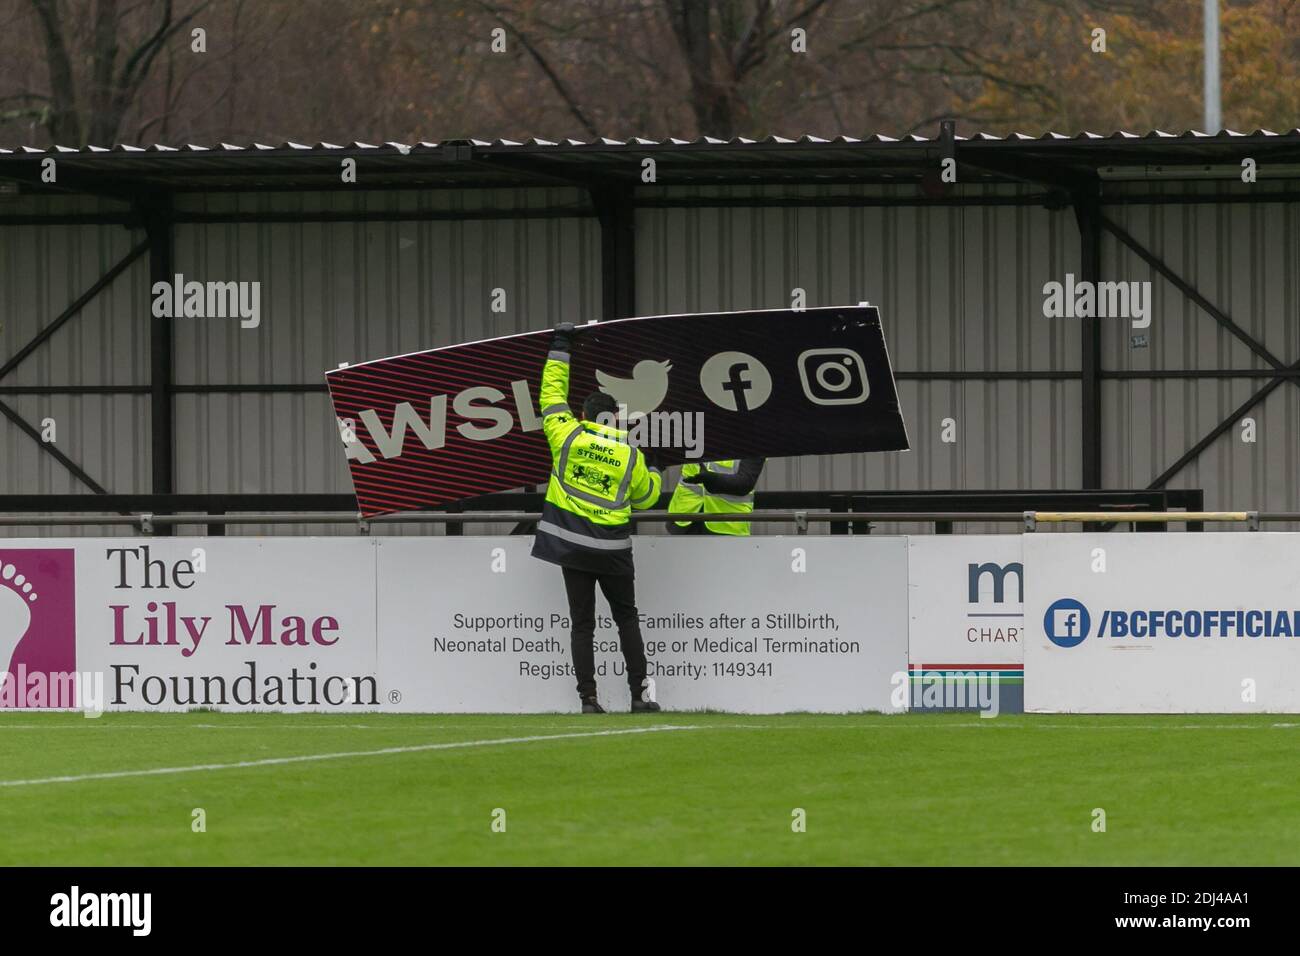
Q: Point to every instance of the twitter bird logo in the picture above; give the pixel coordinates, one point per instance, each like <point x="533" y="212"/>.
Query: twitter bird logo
<point x="643" y="392"/>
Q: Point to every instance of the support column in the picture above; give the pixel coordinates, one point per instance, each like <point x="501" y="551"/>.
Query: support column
<point x="158" y="227"/>
<point x="1087" y="211"/>
<point x="617" y="217"/>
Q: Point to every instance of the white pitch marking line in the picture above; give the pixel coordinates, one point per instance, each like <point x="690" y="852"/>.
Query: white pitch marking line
<point x="306" y="758"/>
<point x="414" y="727"/>
<point x="1004" y="725"/>
<point x="405" y="727"/>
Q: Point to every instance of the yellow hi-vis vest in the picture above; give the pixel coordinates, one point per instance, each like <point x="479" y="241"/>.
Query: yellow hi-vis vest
<point x="692" y="499"/>
<point x="597" y="478"/>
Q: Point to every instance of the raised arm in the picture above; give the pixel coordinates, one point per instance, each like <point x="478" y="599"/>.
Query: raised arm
<point x="553" y="399"/>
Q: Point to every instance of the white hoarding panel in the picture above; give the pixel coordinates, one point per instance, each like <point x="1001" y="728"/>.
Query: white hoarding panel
<point x="174" y="623"/>
<point x="444" y="624"/>
<point x="966" y="600"/>
<point x="1163" y="623"/>
<point x="758" y="625"/>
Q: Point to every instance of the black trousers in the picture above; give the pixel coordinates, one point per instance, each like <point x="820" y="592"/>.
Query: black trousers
<point x="620" y="592"/>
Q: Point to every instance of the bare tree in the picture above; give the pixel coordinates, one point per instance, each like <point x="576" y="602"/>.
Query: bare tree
<point x="89" y="106"/>
<point x="722" y="42"/>
<point x="78" y="71"/>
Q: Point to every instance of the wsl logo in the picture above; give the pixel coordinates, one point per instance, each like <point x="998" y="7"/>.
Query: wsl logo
<point x="1066" y="623"/>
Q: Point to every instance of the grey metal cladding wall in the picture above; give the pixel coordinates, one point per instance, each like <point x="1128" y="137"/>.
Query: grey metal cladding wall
<point x="335" y="292"/>
<point x="960" y="290"/>
<point x="1151" y="424"/>
<point x="1246" y="260"/>
<point x="346" y="292"/>
<point x="43" y="269"/>
<point x="266" y="443"/>
<point x="277" y="443"/>
<point x="107" y="435"/>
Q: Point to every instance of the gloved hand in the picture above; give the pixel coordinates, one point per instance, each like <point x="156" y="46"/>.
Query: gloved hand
<point x="695" y="479"/>
<point x="562" y="340"/>
<point x="651" y="459"/>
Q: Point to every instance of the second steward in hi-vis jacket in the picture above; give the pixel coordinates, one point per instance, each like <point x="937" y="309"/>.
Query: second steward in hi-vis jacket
<point x="721" y="488"/>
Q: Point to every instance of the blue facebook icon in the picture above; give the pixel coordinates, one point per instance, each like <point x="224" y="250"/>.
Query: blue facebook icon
<point x="1066" y="622"/>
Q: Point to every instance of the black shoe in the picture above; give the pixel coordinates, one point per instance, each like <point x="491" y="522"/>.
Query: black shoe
<point x="591" y="706"/>
<point x="644" y="706"/>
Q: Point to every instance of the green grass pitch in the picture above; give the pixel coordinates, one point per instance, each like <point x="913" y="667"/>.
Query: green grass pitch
<point x="921" y="789"/>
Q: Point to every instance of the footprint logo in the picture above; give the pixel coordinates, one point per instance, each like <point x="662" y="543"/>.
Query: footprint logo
<point x="16" y="594"/>
<point x="38" y="619"/>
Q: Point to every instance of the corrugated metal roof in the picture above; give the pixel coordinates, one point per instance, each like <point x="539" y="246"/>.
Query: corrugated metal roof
<point x="1050" y="158"/>
<point x="605" y="143"/>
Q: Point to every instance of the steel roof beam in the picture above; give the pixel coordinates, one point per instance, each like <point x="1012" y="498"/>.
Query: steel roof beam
<point x="49" y="448"/>
<point x="1285" y="372"/>
<point x="76" y="306"/>
<point x="1187" y="289"/>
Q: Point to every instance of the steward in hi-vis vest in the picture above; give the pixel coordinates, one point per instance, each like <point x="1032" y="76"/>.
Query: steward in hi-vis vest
<point x="597" y="478"/>
<point x="717" y="488"/>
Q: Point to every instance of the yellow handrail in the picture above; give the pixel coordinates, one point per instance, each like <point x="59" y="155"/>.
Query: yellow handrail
<point x="1165" y="516"/>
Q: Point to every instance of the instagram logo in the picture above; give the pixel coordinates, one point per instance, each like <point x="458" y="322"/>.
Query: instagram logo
<point x="833" y="376"/>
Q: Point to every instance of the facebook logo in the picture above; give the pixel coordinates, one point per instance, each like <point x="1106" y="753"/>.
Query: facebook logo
<point x="736" y="381"/>
<point x="1066" y="622"/>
